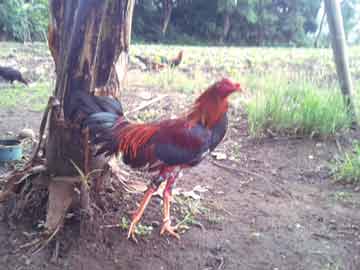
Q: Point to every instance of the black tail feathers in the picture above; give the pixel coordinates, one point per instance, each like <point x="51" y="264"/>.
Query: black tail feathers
<point x="98" y="114"/>
<point x="85" y="104"/>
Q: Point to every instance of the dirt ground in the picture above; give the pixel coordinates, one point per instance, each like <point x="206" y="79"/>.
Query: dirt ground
<point x="273" y="205"/>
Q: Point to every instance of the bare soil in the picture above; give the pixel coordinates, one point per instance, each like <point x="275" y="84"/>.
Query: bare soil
<point x="287" y="213"/>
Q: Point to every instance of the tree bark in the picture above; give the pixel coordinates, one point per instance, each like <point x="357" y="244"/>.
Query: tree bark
<point x="86" y="38"/>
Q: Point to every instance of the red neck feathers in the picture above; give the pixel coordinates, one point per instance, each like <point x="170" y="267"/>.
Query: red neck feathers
<point x="210" y="107"/>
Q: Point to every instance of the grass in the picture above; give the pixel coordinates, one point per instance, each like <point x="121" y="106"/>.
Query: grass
<point x="344" y="197"/>
<point x="175" y="80"/>
<point x="189" y="209"/>
<point x="140" y="229"/>
<point x="301" y="100"/>
<point x="348" y="169"/>
<point x="289" y="91"/>
<point x="33" y="97"/>
<point x="298" y="107"/>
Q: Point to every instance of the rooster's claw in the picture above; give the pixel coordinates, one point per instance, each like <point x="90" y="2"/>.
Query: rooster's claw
<point x="131" y="232"/>
<point x="167" y="228"/>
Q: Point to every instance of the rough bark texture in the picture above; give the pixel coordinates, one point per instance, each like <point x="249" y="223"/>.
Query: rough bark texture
<point x="86" y="38"/>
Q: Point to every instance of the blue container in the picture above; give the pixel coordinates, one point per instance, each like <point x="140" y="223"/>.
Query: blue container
<point x="10" y="150"/>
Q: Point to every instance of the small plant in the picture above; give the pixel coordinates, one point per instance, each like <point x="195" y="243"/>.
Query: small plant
<point x="85" y="178"/>
<point x="140" y="230"/>
<point x="214" y="218"/>
<point x="189" y="208"/>
<point x="349" y="198"/>
<point x="348" y="170"/>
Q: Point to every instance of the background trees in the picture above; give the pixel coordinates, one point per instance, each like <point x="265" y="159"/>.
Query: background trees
<point x="238" y="22"/>
<point x="23" y="20"/>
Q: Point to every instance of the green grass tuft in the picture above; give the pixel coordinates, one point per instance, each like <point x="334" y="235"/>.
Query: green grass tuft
<point x="174" y="79"/>
<point x="348" y="170"/>
<point x="294" y="107"/>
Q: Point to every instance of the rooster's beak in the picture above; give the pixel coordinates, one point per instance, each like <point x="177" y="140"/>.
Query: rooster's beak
<point x="237" y="87"/>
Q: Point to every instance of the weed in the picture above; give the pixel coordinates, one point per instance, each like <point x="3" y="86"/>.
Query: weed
<point x="140" y="229"/>
<point x="332" y="266"/>
<point x="214" y="218"/>
<point x="189" y="208"/>
<point x="348" y="169"/>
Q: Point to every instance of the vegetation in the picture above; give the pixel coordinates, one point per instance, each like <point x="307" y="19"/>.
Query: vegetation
<point x="348" y="170"/>
<point x="240" y="22"/>
<point x="296" y="107"/>
<point x="286" y="91"/>
<point x="245" y="22"/>
<point x="33" y="97"/>
<point x="23" y="20"/>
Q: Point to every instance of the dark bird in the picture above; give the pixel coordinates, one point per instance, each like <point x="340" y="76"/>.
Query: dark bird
<point x="160" y="62"/>
<point x="163" y="147"/>
<point x="11" y="75"/>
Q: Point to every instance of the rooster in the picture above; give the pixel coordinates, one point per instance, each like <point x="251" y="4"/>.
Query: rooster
<point x="160" y="62"/>
<point x="11" y="74"/>
<point x="164" y="147"/>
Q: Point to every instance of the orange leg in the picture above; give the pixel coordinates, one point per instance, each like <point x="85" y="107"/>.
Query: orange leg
<point x="139" y="212"/>
<point x="166" y="227"/>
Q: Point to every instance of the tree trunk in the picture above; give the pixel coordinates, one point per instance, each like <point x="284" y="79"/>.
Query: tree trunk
<point x="167" y="10"/>
<point x="227" y="25"/>
<point x="86" y="38"/>
<point x="316" y="43"/>
<point x="260" y="24"/>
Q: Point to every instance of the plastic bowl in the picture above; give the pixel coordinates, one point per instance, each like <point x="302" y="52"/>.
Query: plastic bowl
<point x="10" y="150"/>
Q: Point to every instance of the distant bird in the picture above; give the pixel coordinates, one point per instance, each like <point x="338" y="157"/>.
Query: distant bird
<point x="160" y="62"/>
<point x="11" y="75"/>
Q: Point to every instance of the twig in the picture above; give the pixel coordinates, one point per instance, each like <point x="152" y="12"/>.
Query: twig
<point x="147" y="104"/>
<point x="238" y="170"/>
<point x="55" y="255"/>
<point x="86" y="133"/>
<point x="47" y="241"/>
<point x="245" y="171"/>
<point x="221" y="259"/>
<point x="339" y="146"/>
<point x="319" y="235"/>
<point x="109" y="226"/>
<point x="51" y="102"/>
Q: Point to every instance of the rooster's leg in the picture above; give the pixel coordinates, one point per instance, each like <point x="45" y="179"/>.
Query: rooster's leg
<point x="166" y="227"/>
<point x="139" y="212"/>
